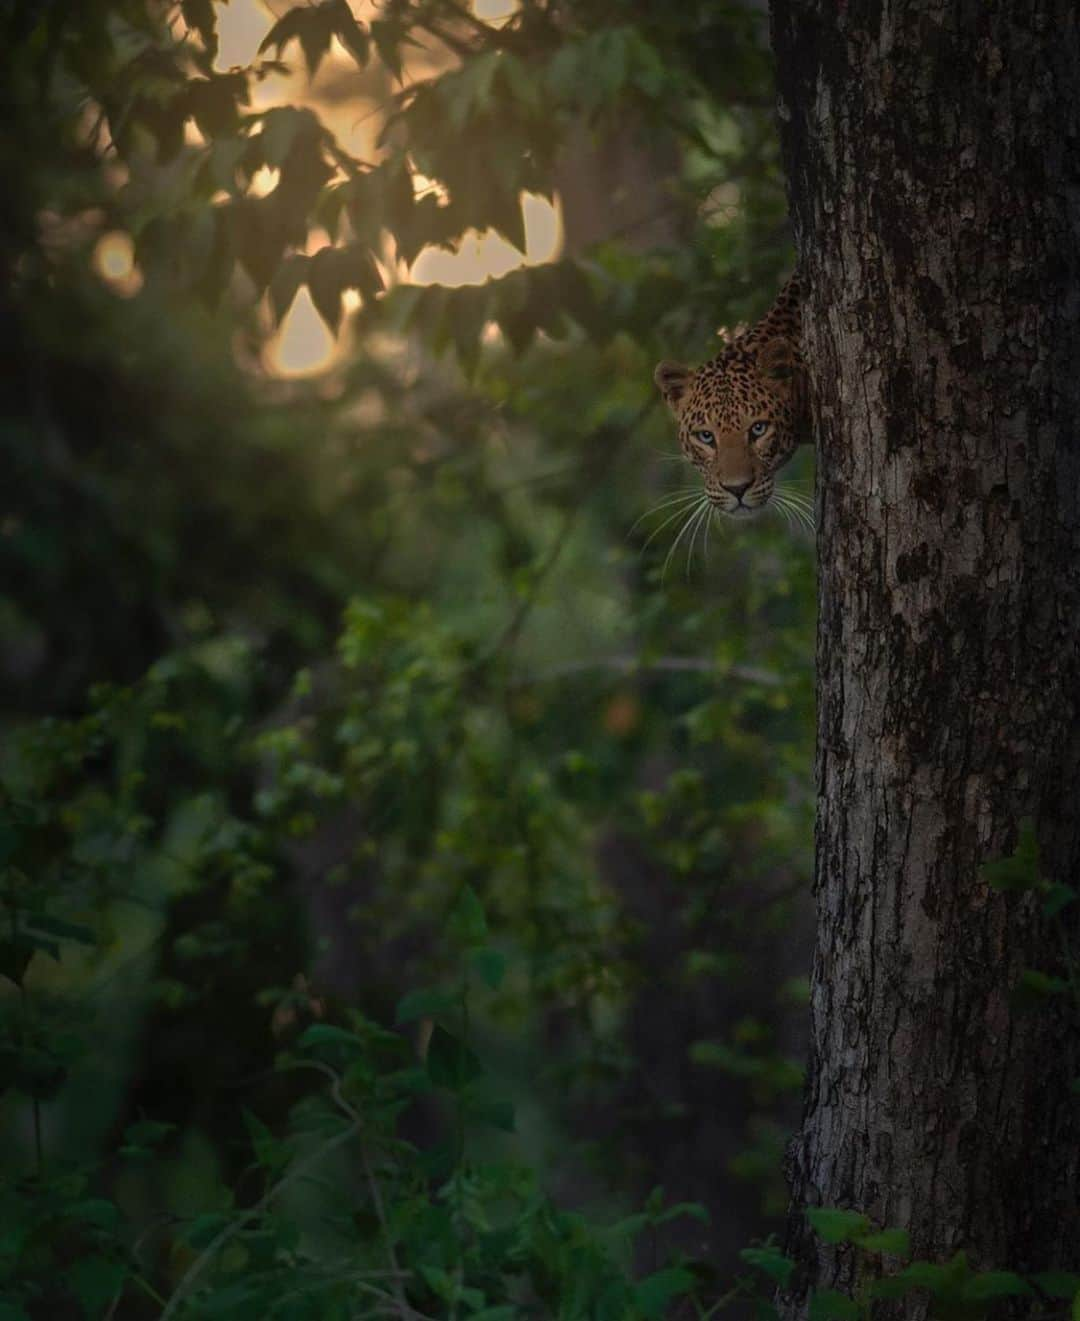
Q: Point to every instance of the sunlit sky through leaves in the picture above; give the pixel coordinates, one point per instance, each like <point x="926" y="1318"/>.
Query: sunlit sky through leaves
<point x="303" y="344"/>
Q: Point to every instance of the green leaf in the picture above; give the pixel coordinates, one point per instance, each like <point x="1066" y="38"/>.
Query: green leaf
<point x="353" y="36"/>
<point x="996" y="1284"/>
<point x="95" y="1281"/>
<point x="896" y="1242"/>
<point x="467" y="922"/>
<point x="501" y="1313"/>
<point x="357" y="269"/>
<point x="269" y="1152"/>
<point x="388" y="39"/>
<point x="34" y="940"/>
<point x="55" y="926"/>
<point x="1034" y="987"/>
<point x="770" y="1260"/>
<point x="655" y="1292"/>
<point x="10" y="838"/>
<point x="325" y="283"/>
<point x="692" y="1209"/>
<point x="496" y="1111"/>
<point x="202" y="1231"/>
<point x="837" y="1226"/>
<point x="148" y="1132"/>
<point x="424" y="1003"/>
<point x="924" y="1275"/>
<point x="214" y="103"/>
<point x="450" y="1062"/>
<point x="1020" y="870"/>
<point x="490" y="965"/>
<point x="280" y="127"/>
<point x="468" y="311"/>
<point x="828" y="1305"/>
<point x="507" y="218"/>
<point x="1058" y="1284"/>
<point x="312" y="25"/>
<point x="288" y="278"/>
<point x="96" y="1211"/>
<point x="1058" y="897"/>
<point x="15" y="959"/>
<point x="1076" y="1307"/>
<point x="258" y="237"/>
<point x="323" y="1035"/>
<point x="893" y="1286"/>
<point x="199" y="16"/>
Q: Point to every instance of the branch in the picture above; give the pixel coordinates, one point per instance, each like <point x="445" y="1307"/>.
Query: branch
<point x="517" y="620"/>
<point x="401" y="1301"/>
<point x="659" y="665"/>
<point x="188" y="1280"/>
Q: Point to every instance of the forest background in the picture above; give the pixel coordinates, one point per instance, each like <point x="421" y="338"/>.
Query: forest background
<point x="405" y="852"/>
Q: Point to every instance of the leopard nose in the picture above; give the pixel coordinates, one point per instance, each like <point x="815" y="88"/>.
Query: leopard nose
<point x="737" y="491"/>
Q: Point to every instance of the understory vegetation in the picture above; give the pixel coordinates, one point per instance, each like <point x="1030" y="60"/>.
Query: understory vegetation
<point x="404" y="844"/>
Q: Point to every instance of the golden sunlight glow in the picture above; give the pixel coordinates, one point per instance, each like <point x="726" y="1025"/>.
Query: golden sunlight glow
<point x="303" y="346"/>
<point x="484" y="256"/>
<point x="114" y="261"/>
<point x="241" y="26"/>
<point x="494" y="11"/>
<point x="265" y="179"/>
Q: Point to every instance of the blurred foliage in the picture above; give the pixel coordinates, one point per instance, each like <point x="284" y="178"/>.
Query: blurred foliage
<point x="402" y="873"/>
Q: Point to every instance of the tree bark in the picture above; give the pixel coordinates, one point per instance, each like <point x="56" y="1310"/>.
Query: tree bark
<point x="933" y="150"/>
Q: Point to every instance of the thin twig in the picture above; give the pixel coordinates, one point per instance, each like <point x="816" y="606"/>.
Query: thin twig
<point x="195" y="1270"/>
<point x="372" y="1183"/>
<point x="513" y="628"/>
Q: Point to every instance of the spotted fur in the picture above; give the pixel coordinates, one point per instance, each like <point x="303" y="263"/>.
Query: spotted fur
<point x="751" y="403"/>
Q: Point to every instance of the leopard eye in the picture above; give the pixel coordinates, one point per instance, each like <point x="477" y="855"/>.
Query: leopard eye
<point x="705" y="437"/>
<point x="758" y="429"/>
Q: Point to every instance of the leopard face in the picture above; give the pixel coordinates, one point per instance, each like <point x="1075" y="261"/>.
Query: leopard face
<point x="740" y="420"/>
<point x="742" y="416"/>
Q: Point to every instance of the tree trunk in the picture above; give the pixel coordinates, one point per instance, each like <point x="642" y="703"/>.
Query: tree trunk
<point x="933" y="150"/>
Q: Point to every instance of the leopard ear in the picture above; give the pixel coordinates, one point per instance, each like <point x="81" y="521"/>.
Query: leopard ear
<point x="778" y="359"/>
<point x="673" y="382"/>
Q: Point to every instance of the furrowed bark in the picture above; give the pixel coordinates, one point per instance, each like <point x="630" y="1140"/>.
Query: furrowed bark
<point x="933" y="150"/>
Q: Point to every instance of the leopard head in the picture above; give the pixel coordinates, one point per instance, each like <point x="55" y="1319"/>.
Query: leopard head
<point x="741" y="418"/>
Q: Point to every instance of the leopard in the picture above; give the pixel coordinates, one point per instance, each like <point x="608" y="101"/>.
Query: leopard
<point x="743" y="414"/>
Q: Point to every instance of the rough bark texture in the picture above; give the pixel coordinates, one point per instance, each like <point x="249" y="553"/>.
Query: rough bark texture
<point x="933" y="150"/>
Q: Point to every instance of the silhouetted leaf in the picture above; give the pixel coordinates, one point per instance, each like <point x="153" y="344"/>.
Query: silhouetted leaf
<point x="325" y="283"/>
<point x="450" y="1063"/>
<point x="200" y="17"/>
<point x="288" y="278"/>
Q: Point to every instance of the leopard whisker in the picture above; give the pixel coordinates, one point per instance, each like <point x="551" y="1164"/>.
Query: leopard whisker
<point x="797" y="499"/>
<point x="703" y="513"/>
<point x="682" y="533"/>
<point x="781" y="509"/>
<point x="679" y="497"/>
<point x="803" y="518"/>
<point x="796" y="494"/>
<point x="705" y="539"/>
<point x="793" y="514"/>
<point x="799" y="504"/>
<point x="682" y="509"/>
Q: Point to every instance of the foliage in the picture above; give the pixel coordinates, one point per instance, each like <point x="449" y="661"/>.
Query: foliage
<point x="955" y="1291"/>
<point x="390" y="851"/>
